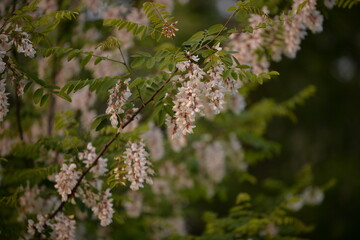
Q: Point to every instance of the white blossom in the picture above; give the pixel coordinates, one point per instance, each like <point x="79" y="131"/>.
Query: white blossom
<point x="3" y="100"/>
<point x="66" y="180"/>
<point x="187" y="102"/>
<point x="2" y="63"/>
<point x="64" y="228"/>
<point x="246" y="45"/>
<point x="214" y="88"/>
<point x="177" y="141"/>
<point x="89" y="156"/>
<point x="329" y="3"/>
<point x="117" y="100"/>
<point x="138" y="168"/>
<point x="313" y="195"/>
<point x="36" y="227"/>
<point x="104" y="209"/>
<point x="23" y="43"/>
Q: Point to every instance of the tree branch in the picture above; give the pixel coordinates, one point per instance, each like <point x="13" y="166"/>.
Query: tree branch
<point x="107" y="145"/>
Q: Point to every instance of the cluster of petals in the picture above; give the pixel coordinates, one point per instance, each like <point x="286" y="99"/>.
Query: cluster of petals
<point x="138" y="167"/>
<point x="66" y="180"/>
<point x="4" y="109"/>
<point x="21" y="41"/>
<point x="295" y="26"/>
<point x="89" y="156"/>
<point x="64" y="227"/>
<point x="214" y="88"/>
<point x="177" y="141"/>
<point x="187" y="102"/>
<point x="117" y="100"/>
<point x="36" y="227"/>
<point x="104" y="208"/>
<point x="246" y="44"/>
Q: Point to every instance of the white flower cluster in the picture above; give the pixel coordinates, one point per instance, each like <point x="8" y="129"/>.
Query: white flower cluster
<point x="329" y="3"/>
<point x="282" y="37"/>
<point x="154" y="140"/>
<point x="214" y="88"/>
<point x="66" y="180"/>
<point x="247" y="43"/>
<point x="295" y="26"/>
<point x="19" y="39"/>
<point x="187" y="102"/>
<point x="2" y="55"/>
<point x="37" y="227"/>
<point x="201" y="94"/>
<point x="177" y="142"/>
<point x="310" y="196"/>
<point x="104" y="208"/>
<point x="89" y="156"/>
<point x="4" y="109"/>
<point x="64" y="227"/>
<point x="137" y="168"/>
<point x="117" y="100"/>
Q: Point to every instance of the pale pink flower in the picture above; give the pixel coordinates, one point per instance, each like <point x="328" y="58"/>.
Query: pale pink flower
<point x="66" y="180"/>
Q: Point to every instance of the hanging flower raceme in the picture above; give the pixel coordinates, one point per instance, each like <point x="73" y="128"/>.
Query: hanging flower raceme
<point x="117" y="100"/>
<point x="104" y="209"/>
<point x="137" y="168"/>
<point x="187" y="102"/>
<point x="66" y="180"/>
<point x="214" y="88"/>
<point x="64" y="227"/>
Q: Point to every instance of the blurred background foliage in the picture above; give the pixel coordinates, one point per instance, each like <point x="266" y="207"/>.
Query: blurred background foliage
<point x="326" y="132"/>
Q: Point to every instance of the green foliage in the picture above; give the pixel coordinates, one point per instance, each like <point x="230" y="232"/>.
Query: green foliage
<point x="134" y="28"/>
<point x="346" y="3"/>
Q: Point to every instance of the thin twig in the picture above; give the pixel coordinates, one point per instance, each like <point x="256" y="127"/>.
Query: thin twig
<point x="218" y="34"/>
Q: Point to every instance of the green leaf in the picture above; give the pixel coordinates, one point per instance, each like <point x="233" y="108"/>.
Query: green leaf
<point x="85" y="60"/>
<point x="231" y="9"/>
<point x="63" y="95"/>
<point x="215" y="29"/>
<point x="98" y="60"/>
<point x="242" y="197"/>
<point x="150" y="63"/>
<point x="44" y="99"/>
<point x="102" y="124"/>
<point x="37" y="95"/>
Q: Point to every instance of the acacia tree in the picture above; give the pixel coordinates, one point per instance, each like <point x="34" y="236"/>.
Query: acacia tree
<point x="88" y="91"/>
